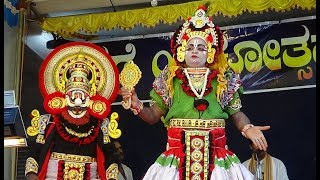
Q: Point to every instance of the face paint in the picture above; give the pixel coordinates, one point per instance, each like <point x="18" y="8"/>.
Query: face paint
<point x="77" y="102"/>
<point x="196" y="53"/>
<point x="195" y="43"/>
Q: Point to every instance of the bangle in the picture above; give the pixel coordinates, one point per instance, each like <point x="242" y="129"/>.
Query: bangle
<point x="136" y="110"/>
<point x="245" y="128"/>
<point x="112" y="171"/>
<point x="31" y="166"/>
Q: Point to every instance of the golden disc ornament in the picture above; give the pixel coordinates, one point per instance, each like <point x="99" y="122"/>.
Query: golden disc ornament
<point x="104" y="75"/>
<point x="129" y="78"/>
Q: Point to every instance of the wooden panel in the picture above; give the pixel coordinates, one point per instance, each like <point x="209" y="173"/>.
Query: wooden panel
<point x="49" y="6"/>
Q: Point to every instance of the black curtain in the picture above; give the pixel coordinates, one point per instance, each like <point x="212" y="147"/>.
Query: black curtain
<point x="292" y="137"/>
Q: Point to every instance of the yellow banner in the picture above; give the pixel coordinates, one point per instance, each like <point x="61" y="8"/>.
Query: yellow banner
<point x="69" y="26"/>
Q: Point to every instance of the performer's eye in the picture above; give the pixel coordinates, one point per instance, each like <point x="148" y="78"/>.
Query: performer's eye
<point x="202" y="48"/>
<point x="190" y="47"/>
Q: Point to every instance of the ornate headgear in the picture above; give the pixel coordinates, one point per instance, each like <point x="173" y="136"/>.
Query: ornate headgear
<point x="79" y="73"/>
<point x="197" y="26"/>
<point x="79" y="65"/>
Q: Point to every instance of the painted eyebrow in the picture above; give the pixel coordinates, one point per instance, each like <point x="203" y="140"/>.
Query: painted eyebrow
<point x="202" y="45"/>
<point x="198" y="45"/>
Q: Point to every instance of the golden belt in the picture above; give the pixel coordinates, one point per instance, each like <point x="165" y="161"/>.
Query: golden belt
<point x="197" y="123"/>
<point x="72" y="157"/>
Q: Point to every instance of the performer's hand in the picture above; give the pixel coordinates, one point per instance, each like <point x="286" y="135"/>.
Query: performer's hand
<point x="256" y="136"/>
<point x="32" y="176"/>
<point x="126" y="94"/>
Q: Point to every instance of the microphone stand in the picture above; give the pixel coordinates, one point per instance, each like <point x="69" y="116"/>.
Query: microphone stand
<point x="258" y="174"/>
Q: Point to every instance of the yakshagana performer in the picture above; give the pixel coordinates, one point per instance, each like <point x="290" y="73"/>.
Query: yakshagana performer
<point x="195" y="97"/>
<point x="78" y="81"/>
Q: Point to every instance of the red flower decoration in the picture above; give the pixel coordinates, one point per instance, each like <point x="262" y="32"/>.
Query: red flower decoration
<point x="202" y="7"/>
<point x="210" y="39"/>
<point x="185" y="85"/>
<point x="201" y="107"/>
<point x="201" y="104"/>
<point x="74" y="139"/>
<point x="186" y="37"/>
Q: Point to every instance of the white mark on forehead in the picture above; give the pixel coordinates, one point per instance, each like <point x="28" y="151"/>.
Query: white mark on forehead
<point x="196" y="43"/>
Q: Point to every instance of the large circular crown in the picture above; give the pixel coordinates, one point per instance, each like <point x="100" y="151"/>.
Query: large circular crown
<point x="197" y="26"/>
<point x="79" y="65"/>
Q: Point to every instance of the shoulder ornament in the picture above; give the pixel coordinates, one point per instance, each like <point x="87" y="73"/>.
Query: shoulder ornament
<point x="229" y="83"/>
<point x="38" y="125"/>
<point x="109" y="128"/>
<point x="163" y="84"/>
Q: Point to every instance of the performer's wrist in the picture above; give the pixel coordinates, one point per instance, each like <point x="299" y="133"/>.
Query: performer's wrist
<point x="136" y="110"/>
<point x="31" y="166"/>
<point x="245" y="128"/>
<point x="30" y="173"/>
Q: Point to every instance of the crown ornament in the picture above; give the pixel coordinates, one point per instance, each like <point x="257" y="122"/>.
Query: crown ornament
<point x="79" y="72"/>
<point x="201" y="26"/>
<point x="81" y="66"/>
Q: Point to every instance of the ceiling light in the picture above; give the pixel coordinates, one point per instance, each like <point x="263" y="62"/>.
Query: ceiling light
<point x="15" y="142"/>
<point x="154" y="3"/>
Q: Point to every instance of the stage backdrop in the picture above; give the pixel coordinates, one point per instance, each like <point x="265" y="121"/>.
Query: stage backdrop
<point x="268" y="55"/>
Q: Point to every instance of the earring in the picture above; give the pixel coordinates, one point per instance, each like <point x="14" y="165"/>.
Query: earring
<point x="181" y="51"/>
<point x="211" y="53"/>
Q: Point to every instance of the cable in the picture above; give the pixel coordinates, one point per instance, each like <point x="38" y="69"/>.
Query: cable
<point x="114" y="9"/>
<point x="258" y="174"/>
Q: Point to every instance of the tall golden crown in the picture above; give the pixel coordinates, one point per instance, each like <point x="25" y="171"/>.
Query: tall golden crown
<point x="79" y="72"/>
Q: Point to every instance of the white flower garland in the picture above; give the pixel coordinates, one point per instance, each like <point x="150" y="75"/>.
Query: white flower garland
<point x="9" y="6"/>
<point x="191" y="86"/>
